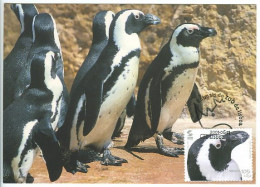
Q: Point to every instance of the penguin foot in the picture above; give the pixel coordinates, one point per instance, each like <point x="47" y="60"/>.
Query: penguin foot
<point x="167" y="151"/>
<point x="80" y="167"/>
<point x="109" y="159"/>
<point x="29" y="178"/>
<point x="176" y="138"/>
<point x="71" y="164"/>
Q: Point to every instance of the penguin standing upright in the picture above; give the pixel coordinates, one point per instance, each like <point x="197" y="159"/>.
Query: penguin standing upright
<point x="210" y="158"/>
<point x="35" y="119"/>
<point x="108" y="88"/>
<point x="45" y="37"/>
<point x="166" y="87"/>
<point x="100" y="29"/>
<point x="17" y="58"/>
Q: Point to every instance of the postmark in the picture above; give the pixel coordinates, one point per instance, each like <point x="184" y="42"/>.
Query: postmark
<point x="218" y="155"/>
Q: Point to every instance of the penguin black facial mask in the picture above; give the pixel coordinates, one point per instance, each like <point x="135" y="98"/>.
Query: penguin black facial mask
<point x="137" y="22"/>
<point x="220" y="151"/>
<point x="191" y="34"/>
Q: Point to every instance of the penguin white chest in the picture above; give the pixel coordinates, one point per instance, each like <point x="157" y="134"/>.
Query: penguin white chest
<point x="113" y="105"/>
<point x="176" y="98"/>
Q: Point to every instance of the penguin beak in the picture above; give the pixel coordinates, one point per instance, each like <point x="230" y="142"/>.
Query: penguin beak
<point x="207" y="32"/>
<point x="150" y="19"/>
<point x="236" y="138"/>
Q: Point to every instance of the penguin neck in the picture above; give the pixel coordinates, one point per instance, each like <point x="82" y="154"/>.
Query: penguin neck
<point x="26" y="30"/>
<point x="219" y="159"/>
<point x="211" y="161"/>
<point x="121" y="39"/>
<point x="43" y="76"/>
<point x="183" y="55"/>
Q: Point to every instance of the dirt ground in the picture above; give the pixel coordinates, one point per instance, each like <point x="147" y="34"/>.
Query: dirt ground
<point x="149" y="168"/>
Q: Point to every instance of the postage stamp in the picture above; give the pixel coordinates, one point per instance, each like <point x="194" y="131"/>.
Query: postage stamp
<point x="218" y="155"/>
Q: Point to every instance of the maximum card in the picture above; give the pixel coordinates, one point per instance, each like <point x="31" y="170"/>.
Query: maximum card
<point x="218" y="155"/>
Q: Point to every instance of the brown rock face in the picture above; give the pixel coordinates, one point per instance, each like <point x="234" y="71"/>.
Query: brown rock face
<point x="228" y="61"/>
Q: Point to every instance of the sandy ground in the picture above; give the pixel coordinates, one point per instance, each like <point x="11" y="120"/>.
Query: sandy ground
<point x="152" y="168"/>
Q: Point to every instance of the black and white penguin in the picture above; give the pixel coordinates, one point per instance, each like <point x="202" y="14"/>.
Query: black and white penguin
<point x="100" y="30"/>
<point x="45" y="37"/>
<point x="17" y="58"/>
<point x="108" y="87"/>
<point x="166" y="87"/>
<point x="210" y="158"/>
<point x="29" y="122"/>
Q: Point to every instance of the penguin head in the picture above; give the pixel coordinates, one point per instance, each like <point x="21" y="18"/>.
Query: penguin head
<point x="44" y="31"/>
<point x="190" y="34"/>
<point x="127" y="24"/>
<point x="43" y="68"/>
<point x="25" y="14"/>
<point x="220" y="149"/>
<point x="101" y="24"/>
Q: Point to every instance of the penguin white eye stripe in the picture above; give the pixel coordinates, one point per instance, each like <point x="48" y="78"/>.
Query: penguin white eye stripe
<point x="33" y="29"/>
<point x="137" y="16"/>
<point x="21" y="16"/>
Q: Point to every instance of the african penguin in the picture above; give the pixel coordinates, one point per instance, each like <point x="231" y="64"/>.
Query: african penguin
<point x="166" y="87"/>
<point x="108" y="87"/>
<point x="100" y="29"/>
<point x="34" y="122"/>
<point x="45" y="37"/>
<point x="210" y="158"/>
<point x="17" y="58"/>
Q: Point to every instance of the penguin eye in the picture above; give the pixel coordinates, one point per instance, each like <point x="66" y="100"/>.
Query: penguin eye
<point x="137" y="16"/>
<point x="218" y="146"/>
<point x="190" y="31"/>
<point x="57" y="56"/>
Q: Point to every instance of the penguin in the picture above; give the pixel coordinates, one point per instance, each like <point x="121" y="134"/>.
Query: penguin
<point x="166" y="87"/>
<point x="35" y="119"/>
<point x="17" y="58"/>
<point x="109" y="84"/>
<point x="209" y="159"/>
<point x="100" y="29"/>
<point x="45" y="37"/>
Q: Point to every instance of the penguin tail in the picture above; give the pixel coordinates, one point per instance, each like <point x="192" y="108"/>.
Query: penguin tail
<point x="139" y="132"/>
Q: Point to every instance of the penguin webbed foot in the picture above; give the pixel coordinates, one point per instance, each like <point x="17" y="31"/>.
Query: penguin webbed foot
<point x="109" y="159"/>
<point x="167" y="151"/>
<point x="176" y="138"/>
<point x="72" y="165"/>
<point x="80" y="167"/>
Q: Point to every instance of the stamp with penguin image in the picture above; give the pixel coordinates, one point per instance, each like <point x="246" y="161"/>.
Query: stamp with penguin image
<point x="218" y="155"/>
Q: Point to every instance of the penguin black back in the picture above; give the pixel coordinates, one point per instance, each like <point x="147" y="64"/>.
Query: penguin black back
<point x="100" y="29"/>
<point x="17" y="58"/>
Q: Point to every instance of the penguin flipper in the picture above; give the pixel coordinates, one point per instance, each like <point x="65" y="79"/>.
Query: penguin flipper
<point x="155" y="98"/>
<point x="45" y="138"/>
<point x="195" y="105"/>
<point x="93" y="104"/>
<point x="130" y="107"/>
